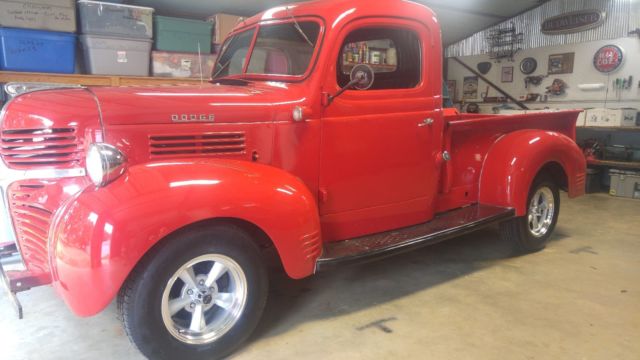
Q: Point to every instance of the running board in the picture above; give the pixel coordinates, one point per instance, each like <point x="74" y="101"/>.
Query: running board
<point x="444" y="226"/>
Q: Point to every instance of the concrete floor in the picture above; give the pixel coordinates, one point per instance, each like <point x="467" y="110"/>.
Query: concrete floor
<point x="467" y="298"/>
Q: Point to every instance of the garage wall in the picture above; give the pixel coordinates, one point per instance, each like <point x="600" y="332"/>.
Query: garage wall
<point x="622" y="16"/>
<point x="583" y="73"/>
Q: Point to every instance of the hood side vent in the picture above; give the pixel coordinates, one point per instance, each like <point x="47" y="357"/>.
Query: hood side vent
<point x="28" y="148"/>
<point x="205" y="144"/>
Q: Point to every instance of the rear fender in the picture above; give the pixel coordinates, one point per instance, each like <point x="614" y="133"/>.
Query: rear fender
<point x="515" y="159"/>
<point x="101" y="234"/>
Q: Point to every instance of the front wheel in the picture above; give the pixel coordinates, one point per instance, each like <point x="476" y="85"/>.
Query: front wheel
<point x="531" y="232"/>
<point x="198" y="295"/>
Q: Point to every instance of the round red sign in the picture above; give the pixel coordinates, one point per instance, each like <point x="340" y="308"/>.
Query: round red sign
<point x="608" y="58"/>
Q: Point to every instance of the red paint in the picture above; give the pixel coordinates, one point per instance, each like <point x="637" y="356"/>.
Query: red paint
<point x="99" y="236"/>
<point x="370" y="161"/>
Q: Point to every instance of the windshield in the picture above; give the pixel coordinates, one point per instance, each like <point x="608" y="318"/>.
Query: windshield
<point x="280" y="49"/>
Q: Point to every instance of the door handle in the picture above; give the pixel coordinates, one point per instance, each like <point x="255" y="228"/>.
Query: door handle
<point x="426" y="122"/>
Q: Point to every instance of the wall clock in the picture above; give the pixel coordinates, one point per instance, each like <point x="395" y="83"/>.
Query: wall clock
<point x="528" y="65"/>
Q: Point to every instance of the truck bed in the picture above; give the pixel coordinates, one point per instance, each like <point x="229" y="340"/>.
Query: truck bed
<point x="468" y="138"/>
<point x="560" y="121"/>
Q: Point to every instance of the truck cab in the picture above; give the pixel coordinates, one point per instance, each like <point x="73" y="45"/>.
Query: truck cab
<point x="322" y="135"/>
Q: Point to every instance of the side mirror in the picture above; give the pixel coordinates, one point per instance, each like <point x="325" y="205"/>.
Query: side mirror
<point x="362" y="77"/>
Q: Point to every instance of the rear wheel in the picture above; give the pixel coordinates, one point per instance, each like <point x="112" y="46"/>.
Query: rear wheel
<point x="199" y="295"/>
<point x="531" y="232"/>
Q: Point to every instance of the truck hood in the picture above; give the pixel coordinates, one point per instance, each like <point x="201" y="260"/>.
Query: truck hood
<point x="254" y="102"/>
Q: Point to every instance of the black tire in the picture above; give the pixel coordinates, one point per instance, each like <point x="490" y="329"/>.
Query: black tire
<point x="140" y="299"/>
<point x="518" y="232"/>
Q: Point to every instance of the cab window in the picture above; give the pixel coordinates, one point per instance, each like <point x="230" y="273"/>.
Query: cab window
<point x="393" y="54"/>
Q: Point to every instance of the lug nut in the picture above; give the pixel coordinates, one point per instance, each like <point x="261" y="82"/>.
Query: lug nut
<point x="201" y="282"/>
<point x="190" y="292"/>
<point x="192" y="305"/>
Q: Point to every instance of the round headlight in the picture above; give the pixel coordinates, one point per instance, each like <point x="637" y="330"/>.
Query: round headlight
<point x="104" y="163"/>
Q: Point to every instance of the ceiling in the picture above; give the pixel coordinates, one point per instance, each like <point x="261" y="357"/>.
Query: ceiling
<point x="459" y="18"/>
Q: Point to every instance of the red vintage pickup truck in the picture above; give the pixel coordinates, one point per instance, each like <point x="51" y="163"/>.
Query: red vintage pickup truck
<point x="321" y="135"/>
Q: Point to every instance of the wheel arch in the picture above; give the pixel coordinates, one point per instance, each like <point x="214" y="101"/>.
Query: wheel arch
<point x="100" y="236"/>
<point x="515" y="159"/>
<point x="556" y="173"/>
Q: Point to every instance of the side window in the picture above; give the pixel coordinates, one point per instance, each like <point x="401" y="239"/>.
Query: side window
<point x="393" y="54"/>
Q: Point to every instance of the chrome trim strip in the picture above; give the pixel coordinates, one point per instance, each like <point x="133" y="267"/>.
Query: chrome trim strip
<point x="15" y="89"/>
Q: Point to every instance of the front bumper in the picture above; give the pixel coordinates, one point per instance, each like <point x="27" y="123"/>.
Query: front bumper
<point x="16" y="276"/>
<point x="5" y="284"/>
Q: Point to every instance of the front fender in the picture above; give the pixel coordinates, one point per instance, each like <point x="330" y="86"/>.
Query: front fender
<point x="515" y="159"/>
<point x="101" y="234"/>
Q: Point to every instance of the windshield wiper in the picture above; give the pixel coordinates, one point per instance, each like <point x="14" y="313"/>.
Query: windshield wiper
<point x="297" y="26"/>
<point x="228" y="81"/>
<point x="221" y="69"/>
<point x="223" y="52"/>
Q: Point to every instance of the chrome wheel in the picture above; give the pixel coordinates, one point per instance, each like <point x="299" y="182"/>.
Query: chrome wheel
<point x="204" y="299"/>
<point x="541" y="211"/>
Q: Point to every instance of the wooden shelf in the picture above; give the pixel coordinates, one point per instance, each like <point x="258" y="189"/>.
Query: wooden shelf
<point x="602" y="128"/>
<point x="92" y="80"/>
<point x="615" y="164"/>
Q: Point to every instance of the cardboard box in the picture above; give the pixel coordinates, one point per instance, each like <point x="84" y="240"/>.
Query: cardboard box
<point x="174" y="64"/>
<point x="223" y="25"/>
<point x="596" y="117"/>
<point x="622" y="117"/>
<point x="52" y="15"/>
<point x="582" y="119"/>
<point x="611" y="117"/>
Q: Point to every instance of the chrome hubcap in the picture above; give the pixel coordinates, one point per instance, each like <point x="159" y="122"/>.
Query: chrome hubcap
<point x="204" y="299"/>
<point x="541" y="211"/>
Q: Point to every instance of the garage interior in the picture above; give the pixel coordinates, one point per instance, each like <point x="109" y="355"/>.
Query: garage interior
<point x="468" y="297"/>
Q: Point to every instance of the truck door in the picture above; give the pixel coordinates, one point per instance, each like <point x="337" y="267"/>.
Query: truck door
<point x="378" y="162"/>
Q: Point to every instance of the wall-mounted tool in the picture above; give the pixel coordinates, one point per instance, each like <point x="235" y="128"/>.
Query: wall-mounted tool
<point x="591" y="87"/>
<point x="534" y="80"/>
<point x="558" y="87"/>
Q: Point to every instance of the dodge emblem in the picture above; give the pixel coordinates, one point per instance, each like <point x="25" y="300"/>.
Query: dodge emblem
<point x="193" y="117"/>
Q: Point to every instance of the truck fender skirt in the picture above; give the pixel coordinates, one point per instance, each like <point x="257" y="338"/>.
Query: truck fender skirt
<point x="515" y="159"/>
<point x="100" y="235"/>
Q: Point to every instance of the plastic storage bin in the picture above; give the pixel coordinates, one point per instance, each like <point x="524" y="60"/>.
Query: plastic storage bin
<point x="173" y="64"/>
<point x="104" y="55"/>
<point x="37" y="50"/>
<point x="182" y="35"/>
<point x="109" y="19"/>
<point x="625" y="183"/>
<point x="52" y="15"/>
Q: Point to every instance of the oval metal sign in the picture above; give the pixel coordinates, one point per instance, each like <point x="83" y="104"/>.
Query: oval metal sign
<point x="573" y="22"/>
<point x="608" y="58"/>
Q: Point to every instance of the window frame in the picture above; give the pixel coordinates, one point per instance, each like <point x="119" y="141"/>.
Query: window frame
<point x="422" y="33"/>
<point x="277" y="77"/>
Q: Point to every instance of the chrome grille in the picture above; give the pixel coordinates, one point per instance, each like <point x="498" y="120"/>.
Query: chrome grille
<point x="29" y="148"/>
<point x="31" y="221"/>
<point x="205" y="144"/>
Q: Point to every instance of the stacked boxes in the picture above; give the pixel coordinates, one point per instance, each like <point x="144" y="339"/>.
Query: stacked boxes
<point x="116" y="38"/>
<point x="37" y="35"/>
<point x="224" y="24"/>
<point x="183" y="48"/>
<point x="601" y="117"/>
